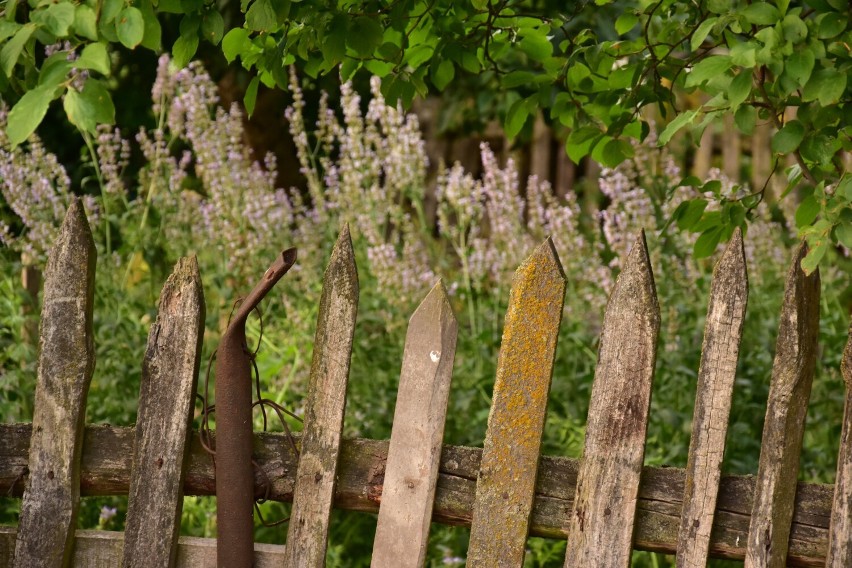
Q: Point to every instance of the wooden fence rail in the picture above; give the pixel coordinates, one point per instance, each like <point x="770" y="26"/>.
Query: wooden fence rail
<point x="605" y="504"/>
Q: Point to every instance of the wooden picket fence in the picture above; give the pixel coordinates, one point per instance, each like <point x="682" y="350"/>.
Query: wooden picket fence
<point x="605" y="504"/>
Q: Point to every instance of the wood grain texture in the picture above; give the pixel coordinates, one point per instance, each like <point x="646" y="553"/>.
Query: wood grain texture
<point x="65" y="365"/>
<point x="164" y="421"/>
<point x="716" y="373"/>
<point x="789" y="392"/>
<point x="600" y="529"/>
<point x="506" y="484"/>
<point x="405" y="513"/>
<point x="307" y="534"/>
<point x="103" y="549"/>
<point x="840" y="535"/>
<point x="106" y="471"/>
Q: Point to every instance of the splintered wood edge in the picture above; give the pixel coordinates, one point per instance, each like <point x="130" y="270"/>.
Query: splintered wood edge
<point x="717" y="371"/>
<point x="789" y="393"/>
<point x="308" y="527"/>
<point x="411" y="474"/>
<point x="65" y="367"/>
<point x="840" y="532"/>
<point x="505" y="490"/>
<point x="600" y="528"/>
<point x="166" y="404"/>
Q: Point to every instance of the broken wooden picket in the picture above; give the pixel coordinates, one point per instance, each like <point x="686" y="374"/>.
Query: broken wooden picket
<point x="605" y="504"/>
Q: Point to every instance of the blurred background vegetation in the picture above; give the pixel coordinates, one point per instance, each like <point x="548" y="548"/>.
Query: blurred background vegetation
<point x="437" y="190"/>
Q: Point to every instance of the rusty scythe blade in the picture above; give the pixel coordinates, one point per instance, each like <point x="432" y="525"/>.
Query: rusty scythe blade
<point x="234" y="473"/>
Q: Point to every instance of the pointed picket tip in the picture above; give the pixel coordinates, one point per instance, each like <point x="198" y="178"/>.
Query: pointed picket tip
<point x="436" y="303"/>
<point x="544" y="260"/>
<point x="341" y="265"/>
<point x="635" y="288"/>
<point x="75" y="246"/>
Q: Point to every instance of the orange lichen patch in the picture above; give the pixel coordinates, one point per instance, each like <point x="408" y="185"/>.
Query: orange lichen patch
<point x="510" y="456"/>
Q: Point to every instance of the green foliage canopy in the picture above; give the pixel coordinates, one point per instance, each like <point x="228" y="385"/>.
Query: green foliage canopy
<point x="591" y="67"/>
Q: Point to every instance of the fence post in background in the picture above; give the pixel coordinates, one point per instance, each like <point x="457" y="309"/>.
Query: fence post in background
<point x="840" y="532"/>
<point x="163" y="425"/>
<point x="507" y="474"/>
<point x="789" y="392"/>
<point x="414" y="454"/>
<point x="65" y="365"/>
<point x="600" y="528"/>
<point x="307" y="534"/>
<point x="716" y="373"/>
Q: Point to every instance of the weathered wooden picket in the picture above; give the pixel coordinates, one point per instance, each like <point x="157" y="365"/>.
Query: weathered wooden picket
<point x="605" y="504"/>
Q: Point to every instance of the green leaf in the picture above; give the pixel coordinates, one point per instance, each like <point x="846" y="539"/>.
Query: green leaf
<point x="130" y="27"/>
<point x="691" y="213"/>
<point x="675" y="125"/>
<point x="788" y="138"/>
<point x="213" y="26"/>
<point x="89" y="107"/>
<point x="516" y="117"/>
<point x="745" y="119"/>
<point x="250" y="97"/>
<point x="625" y="22"/>
<point x="8" y="29"/>
<point x="740" y="88"/>
<point x="55" y="69"/>
<point x="831" y="25"/>
<point x="795" y="30"/>
<point x="57" y="18"/>
<point x="825" y="85"/>
<point x="537" y="46"/>
<point x="442" y="74"/>
<point x="234" y="43"/>
<point x="28" y="113"/>
<point x="86" y="22"/>
<point x="94" y="57"/>
<point x="581" y="141"/>
<point x="761" y="14"/>
<point x="12" y="49"/>
<point x="261" y="17"/>
<point x="365" y="35"/>
<point x="701" y="33"/>
<point x="183" y="49"/>
<point x="705" y="244"/>
<point x="707" y="69"/>
<point x="820" y="148"/>
<point x="744" y="54"/>
<point x="814" y="256"/>
<point x="844" y="234"/>
<point x="517" y="78"/>
<point x="807" y="211"/>
<point x="153" y="36"/>
<point x="110" y="10"/>
<point x="334" y="42"/>
<point x="799" y="65"/>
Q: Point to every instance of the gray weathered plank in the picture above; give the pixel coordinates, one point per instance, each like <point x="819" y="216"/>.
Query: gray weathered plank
<point x="163" y="425"/>
<point x="840" y="534"/>
<point x="107" y="452"/>
<point x="418" y="429"/>
<point x="600" y="529"/>
<point x="510" y="455"/>
<point x="65" y="365"/>
<point x="716" y="373"/>
<point x="307" y="534"/>
<point x="103" y="549"/>
<point x="789" y="392"/>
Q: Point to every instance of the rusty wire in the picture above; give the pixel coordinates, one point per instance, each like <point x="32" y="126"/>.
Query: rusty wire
<point x="280" y="411"/>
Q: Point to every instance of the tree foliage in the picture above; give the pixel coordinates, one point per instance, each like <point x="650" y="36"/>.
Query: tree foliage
<point x="590" y="67"/>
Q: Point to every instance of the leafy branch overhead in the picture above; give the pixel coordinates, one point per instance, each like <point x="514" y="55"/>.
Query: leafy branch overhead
<point x="590" y="67"/>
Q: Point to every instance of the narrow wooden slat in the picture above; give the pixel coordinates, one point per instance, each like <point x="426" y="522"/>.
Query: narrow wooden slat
<point x="106" y="471"/>
<point x="840" y="534"/>
<point x="65" y="365"/>
<point x="506" y="485"/>
<point x="789" y="392"/>
<point x="600" y="529"/>
<point x="103" y="549"/>
<point x="307" y="534"/>
<point x="418" y="428"/>
<point x="722" y="335"/>
<point x="163" y="425"/>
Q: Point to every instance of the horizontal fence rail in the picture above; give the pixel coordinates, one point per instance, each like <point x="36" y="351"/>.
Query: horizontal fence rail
<point x="106" y="471"/>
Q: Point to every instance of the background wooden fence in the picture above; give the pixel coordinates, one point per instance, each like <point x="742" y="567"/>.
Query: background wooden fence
<point x="605" y="504"/>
